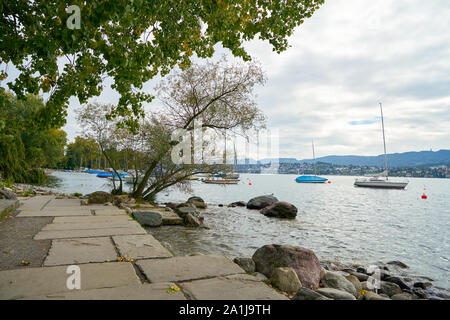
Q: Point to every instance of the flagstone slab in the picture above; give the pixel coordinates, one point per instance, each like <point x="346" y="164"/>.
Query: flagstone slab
<point x="91" y="225"/>
<point x="63" y="203"/>
<point x="152" y="291"/>
<point x="21" y="283"/>
<point x="35" y="203"/>
<point x="91" y="219"/>
<point x="80" y="250"/>
<point x="55" y="213"/>
<point x="140" y="247"/>
<point x="188" y="268"/>
<point x="234" y="287"/>
<point x="110" y="212"/>
<point x="66" y="234"/>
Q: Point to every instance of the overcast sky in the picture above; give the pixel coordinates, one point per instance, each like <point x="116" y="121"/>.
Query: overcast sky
<point x="349" y="56"/>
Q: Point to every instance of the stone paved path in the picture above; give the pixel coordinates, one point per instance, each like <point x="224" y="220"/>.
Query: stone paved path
<point x="118" y="259"/>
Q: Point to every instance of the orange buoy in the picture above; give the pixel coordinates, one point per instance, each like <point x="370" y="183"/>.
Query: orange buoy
<point x="424" y="196"/>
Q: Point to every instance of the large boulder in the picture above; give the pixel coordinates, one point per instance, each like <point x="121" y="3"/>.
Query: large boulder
<point x="7" y="194"/>
<point x="285" y="279"/>
<point x="245" y="263"/>
<point x="197" y="202"/>
<point x="280" y="209"/>
<point x="335" y="294"/>
<point x="304" y="262"/>
<point x="390" y="288"/>
<point x="100" y="197"/>
<point x="337" y="281"/>
<point x="192" y="221"/>
<point x="261" y="202"/>
<point x="237" y="204"/>
<point x="308" y="294"/>
<point x="184" y="209"/>
<point x="402" y="296"/>
<point x="148" y="218"/>
<point x="370" y="295"/>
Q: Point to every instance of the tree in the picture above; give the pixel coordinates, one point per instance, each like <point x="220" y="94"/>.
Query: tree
<point x="82" y="153"/>
<point x="25" y="146"/>
<point x="93" y="118"/>
<point x="128" y="41"/>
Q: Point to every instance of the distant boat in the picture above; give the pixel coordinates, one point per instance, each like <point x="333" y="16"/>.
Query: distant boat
<point x="110" y="175"/>
<point x="311" y="179"/>
<point x="381" y="180"/>
<point x="221" y="181"/>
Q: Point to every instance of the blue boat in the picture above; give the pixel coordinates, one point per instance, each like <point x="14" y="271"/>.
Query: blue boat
<point x="110" y="175"/>
<point x="310" y="179"/>
<point x="93" y="171"/>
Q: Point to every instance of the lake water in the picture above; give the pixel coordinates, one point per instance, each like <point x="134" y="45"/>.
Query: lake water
<point x="337" y="221"/>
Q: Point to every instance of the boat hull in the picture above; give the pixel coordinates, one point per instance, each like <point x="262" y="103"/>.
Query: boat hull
<point x="381" y="184"/>
<point x="221" y="181"/>
<point x="310" y="179"/>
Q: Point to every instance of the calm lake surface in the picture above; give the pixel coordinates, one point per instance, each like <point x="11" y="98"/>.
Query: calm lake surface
<point x="337" y="221"/>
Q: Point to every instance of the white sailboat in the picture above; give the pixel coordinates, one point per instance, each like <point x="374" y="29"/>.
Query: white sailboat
<point x="381" y="180"/>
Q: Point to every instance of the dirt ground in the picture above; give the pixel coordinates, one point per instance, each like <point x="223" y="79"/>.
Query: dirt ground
<point x="17" y="244"/>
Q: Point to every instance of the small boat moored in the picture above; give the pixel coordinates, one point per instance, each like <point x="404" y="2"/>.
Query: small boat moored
<point x="310" y="179"/>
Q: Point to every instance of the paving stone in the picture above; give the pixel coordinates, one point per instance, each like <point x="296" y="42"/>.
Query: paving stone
<point x="91" y="219"/>
<point x="63" y="203"/>
<point x="21" y="283"/>
<point x="234" y="287"/>
<point x="140" y="247"/>
<point x="109" y="212"/>
<point x="55" y="213"/>
<point x="66" y="234"/>
<point x="81" y="250"/>
<point x="35" y="203"/>
<point x="91" y="225"/>
<point x="188" y="268"/>
<point x="152" y="291"/>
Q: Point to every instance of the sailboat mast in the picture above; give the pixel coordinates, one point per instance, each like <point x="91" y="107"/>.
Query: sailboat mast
<point x="314" y="157"/>
<point x="384" y="142"/>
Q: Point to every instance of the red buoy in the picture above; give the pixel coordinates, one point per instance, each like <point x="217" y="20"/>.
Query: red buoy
<point x="249" y="183"/>
<point x="424" y="196"/>
<point x="329" y="181"/>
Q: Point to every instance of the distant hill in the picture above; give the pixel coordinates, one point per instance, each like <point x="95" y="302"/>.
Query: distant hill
<point x="405" y="159"/>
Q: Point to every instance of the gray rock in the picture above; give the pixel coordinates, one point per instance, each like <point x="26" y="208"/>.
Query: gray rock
<point x="182" y="211"/>
<point x="260" y="276"/>
<point x="356" y="283"/>
<point x="280" y="209"/>
<point x="335" y="294"/>
<point x="398" y="264"/>
<point x="195" y="199"/>
<point x="370" y="295"/>
<point x="303" y="261"/>
<point x="100" y="197"/>
<point x="402" y="296"/>
<point x="361" y="270"/>
<point x="7" y="194"/>
<point x="261" y="202"/>
<point x="246" y="263"/>
<point x="423" y="285"/>
<point x="238" y="204"/>
<point x="361" y="276"/>
<point x="337" y="281"/>
<point x="399" y="281"/>
<point x="148" y="218"/>
<point x="192" y="221"/>
<point x="285" y="279"/>
<point x="308" y="294"/>
<point x="390" y="288"/>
